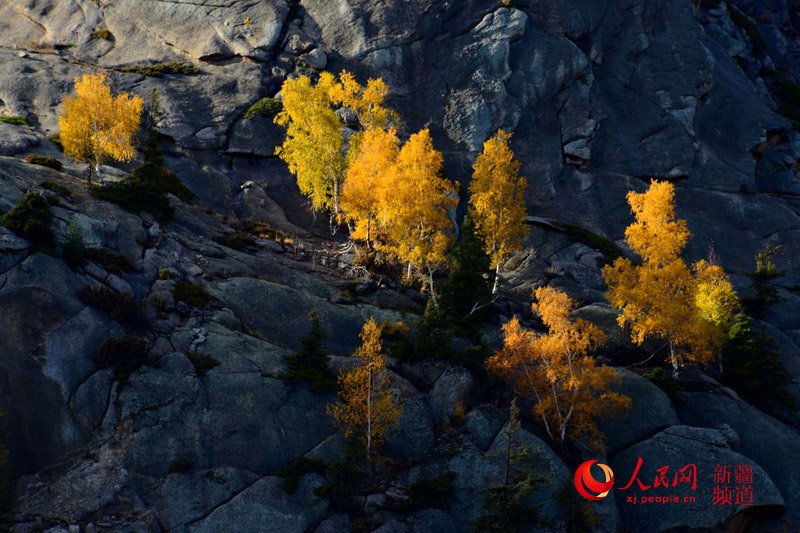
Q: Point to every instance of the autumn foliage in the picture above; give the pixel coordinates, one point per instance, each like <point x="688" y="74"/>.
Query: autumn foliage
<point x="497" y="200"/>
<point x="556" y="369"/>
<point x="418" y="229"/>
<point x="313" y="145"/>
<point x="368" y="409"/>
<point x="366" y="192"/>
<point x="393" y="196"/>
<point x="96" y="125"/>
<point x="691" y="308"/>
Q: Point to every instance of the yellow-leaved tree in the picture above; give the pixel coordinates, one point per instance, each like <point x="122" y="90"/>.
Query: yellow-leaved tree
<point x="313" y="144"/>
<point x="689" y="308"/>
<point x="366" y="191"/>
<point x="497" y="201"/>
<point x="368" y="409"/>
<point x="368" y="102"/>
<point x="418" y="229"/>
<point x="96" y="125"/>
<point x="557" y="371"/>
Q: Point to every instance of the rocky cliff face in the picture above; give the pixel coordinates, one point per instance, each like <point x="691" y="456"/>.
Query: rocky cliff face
<point x="601" y="96"/>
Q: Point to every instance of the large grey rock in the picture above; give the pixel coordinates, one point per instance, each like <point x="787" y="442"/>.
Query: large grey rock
<point x="16" y="139"/>
<point x="770" y="443"/>
<point x="650" y="411"/>
<point x="281" y="313"/>
<point x="676" y="447"/>
<point x="452" y="390"/>
<point x="476" y="471"/>
<point x="12" y="249"/>
<point x="483" y="423"/>
<point x="264" y="502"/>
<point x="184" y="498"/>
<point x="47" y="337"/>
<point x="413" y="438"/>
<point x="618" y="346"/>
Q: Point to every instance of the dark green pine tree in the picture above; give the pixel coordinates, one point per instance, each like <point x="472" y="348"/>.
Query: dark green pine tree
<point x="310" y="363"/>
<point x="509" y="508"/>
<point x="467" y="292"/>
<point x="151" y="174"/>
<point x="752" y="367"/>
<point x="153" y="164"/>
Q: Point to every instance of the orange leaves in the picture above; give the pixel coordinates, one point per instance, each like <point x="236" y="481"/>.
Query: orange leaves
<point x="365" y="193"/>
<point x="96" y="125"/>
<point x="419" y="231"/>
<point x="556" y="370"/>
<point x="663" y="297"/>
<point x="656" y="236"/>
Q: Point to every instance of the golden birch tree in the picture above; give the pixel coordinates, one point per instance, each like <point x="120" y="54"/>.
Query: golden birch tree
<point x="368" y="409"/>
<point x="367" y="102"/>
<point x="313" y="144"/>
<point x="557" y="371"/>
<point x="96" y="125"/>
<point x="690" y="308"/>
<point x="365" y="191"/>
<point x="419" y="231"/>
<point x="497" y="201"/>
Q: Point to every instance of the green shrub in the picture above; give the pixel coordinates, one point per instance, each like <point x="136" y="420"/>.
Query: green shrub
<point x="190" y="293"/>
<point x="345" y="480"/>
<point x="663" y="380"/>
<point x="133" y="197"/>
<point x="147" y="187"/>
<point x="746" y="24"/>
<point x="263" y="230"/>
<point x="101" y="34"/>
<point x="160" y="69"/>
<point x="764" y="294"/>
<point x="180" y="465"/>
<point x="53" y="200"/>
<point x="202" y="362"/>
<point x="18" y="120"/>
<point x="126" y="354"/>
<point x="787" y="94"/>
<point x="56" y="188"/>
<point x="265" y="106"/>
<point x="310" y="363"/>
<point x="607" y="247"/>
<point x="113" y="262"/>
<point x="73" y="250"/>
<point x="752" y="367"/>
<point x="56" y="139"/>
<point x="510" y="507"/>
<point x="434" y="339"/>
<point x="430" y="493"/>
<point x="578" y="513"/>
<point x="297" y="469"/>
<point x="120" y="306"/>
<point x="236" y="240"/>
<point x="466" y="293"/>
<point x="31" y="219"/>
<point x="45" y="161"/>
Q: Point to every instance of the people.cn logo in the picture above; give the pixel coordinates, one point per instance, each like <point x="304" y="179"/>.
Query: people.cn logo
<point x="584" y="480"/>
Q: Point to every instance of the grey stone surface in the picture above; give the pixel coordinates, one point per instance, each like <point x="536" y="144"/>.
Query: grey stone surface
<point x="650" y="411"/>
<point x="675" y="447"/>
